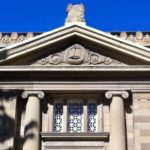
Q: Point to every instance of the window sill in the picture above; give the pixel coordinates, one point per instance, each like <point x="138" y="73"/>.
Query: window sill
<point x="102" y="136"/>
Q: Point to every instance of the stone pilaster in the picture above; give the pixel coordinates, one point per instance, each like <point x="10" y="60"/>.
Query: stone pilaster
<point x="32" y="119"/>
<point x="117" y="119"/>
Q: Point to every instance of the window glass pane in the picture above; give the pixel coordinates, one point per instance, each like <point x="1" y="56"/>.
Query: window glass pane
<point x="75" y="117"/>
<point x="58" y="117"/>
<point x="92" y="113"/>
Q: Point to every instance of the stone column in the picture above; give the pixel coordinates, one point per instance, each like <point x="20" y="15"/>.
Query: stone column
<point x="117" y="119"/>
<point x="32" y="120"/>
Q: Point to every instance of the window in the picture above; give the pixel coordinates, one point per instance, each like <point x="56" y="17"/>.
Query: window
<point x="92" y="117"/>
<point x="75" y="115"/>
<point x="58" y="117"/>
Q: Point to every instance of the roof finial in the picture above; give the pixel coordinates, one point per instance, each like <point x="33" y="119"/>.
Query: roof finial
<point x="75" y="14"/>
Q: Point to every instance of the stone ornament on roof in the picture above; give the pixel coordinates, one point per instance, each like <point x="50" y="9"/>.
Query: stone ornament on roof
<point x="7" y="39"/>
<point x="75" y="14"/>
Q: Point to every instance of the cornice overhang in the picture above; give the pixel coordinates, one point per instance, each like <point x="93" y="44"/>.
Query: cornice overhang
<point x="118" y="45"/>
<point x="74" y="73"/>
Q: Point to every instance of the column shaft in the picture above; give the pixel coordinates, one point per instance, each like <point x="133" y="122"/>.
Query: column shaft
<point x="32" y="121"/>
<point x="117" y="124"/>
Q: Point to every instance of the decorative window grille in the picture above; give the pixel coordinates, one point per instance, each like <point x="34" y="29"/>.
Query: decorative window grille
<point x="58" y="119"/>
<point x="75" y="117"/>
<point x="72" y="116"/>
<point x="92" y="116"/>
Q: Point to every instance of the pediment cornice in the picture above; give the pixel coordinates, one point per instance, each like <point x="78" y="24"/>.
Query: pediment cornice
<point x="139" y="54"/>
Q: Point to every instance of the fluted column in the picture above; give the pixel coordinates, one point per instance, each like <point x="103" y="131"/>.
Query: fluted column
<point x="117" y="119"/>
<point x="32" y="119"/>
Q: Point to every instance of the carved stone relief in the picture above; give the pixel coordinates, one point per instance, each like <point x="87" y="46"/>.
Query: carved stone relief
<point x="75" y="13"/>
<point x="77" y="55"/>
<point x="141" y="97"/>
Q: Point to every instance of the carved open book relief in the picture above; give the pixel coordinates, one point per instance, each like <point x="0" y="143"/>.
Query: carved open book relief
<point x="77" y="55"/>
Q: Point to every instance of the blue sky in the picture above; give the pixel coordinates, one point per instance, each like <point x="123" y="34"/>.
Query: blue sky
<point x="45" y="15"/>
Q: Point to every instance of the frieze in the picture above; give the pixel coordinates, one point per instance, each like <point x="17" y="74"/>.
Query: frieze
<point x="143" y="100"/>
<point x="77" y="55"/>
<point x="6" y="39"/>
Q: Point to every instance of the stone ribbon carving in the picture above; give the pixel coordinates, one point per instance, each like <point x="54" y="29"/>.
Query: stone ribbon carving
<point x="77" y="55"/>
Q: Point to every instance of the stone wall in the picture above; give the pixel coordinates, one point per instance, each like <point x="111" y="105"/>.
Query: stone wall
<point x="141" y="112"/>
<point x="137" y="113"/>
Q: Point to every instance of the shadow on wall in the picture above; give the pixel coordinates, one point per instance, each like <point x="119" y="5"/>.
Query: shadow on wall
<point x="7" y="125"/>
<point x="3" y="55"/>
<point x="128" y="104"/>
<point x="24" y="132"/>
<point x="28" y="134"/>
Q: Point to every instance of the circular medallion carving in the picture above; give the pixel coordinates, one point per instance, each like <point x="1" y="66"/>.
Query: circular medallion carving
<point x="95" y="59"/>
<point x="43" y="61"/>
<point x="75" y="54"/>
<point x="107" y="61"/>
<point x="55" y="59"/>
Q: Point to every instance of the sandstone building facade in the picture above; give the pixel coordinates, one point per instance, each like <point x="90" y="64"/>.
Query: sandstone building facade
<point x="75" y="87"/>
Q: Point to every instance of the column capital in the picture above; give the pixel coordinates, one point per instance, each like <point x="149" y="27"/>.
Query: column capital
<point x="26" y="94"/>
<point x="110" y="94"/>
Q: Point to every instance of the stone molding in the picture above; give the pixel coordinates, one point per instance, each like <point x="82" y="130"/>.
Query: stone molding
<point x="39" y="94"/>
<point x="110" y="94"/>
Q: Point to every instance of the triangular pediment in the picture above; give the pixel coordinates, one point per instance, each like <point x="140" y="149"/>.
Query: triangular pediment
<point x="75" y="45"/>
<point x="76" y="54"/>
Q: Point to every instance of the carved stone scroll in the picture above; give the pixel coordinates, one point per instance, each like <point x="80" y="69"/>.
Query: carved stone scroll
<point x="77" y="55"/>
